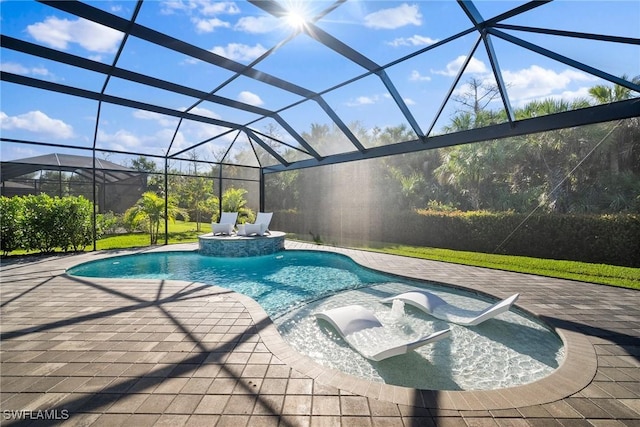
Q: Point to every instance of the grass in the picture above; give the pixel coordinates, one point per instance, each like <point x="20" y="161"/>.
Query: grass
<point x="179" y="232"/>
<point x="625" y="277"/>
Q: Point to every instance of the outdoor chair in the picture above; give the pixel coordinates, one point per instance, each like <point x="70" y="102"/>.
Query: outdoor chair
<point x="362" y="330"/>
<point x="259" y="227"/>
<point x="226" y="224"/>
<point x="439" y="308"/>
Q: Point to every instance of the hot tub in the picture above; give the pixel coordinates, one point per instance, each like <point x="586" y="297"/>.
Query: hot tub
<point x="241" y="246"/>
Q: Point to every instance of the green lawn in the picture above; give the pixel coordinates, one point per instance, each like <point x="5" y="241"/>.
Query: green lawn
<point x="605" y="274"/>
<point x="179" y="232"/>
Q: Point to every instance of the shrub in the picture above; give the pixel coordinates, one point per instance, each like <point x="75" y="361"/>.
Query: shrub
<point x="605" y="239"/>
<point x="43" y="223"/>
<point x="108" y="223"/>
<point x="40" y="223"/>
<point x="11" y="228"/>
<point x="75" y="222"/>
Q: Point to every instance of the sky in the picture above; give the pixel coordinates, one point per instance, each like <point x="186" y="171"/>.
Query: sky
<point x="384" y="31"/>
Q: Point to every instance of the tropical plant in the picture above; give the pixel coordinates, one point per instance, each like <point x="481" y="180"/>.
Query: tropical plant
<point x="233" y="200"/>
<point x="151" y="207"/>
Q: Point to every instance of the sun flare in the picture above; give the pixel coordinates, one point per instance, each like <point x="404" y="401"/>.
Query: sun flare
<point x="296" y="19"/>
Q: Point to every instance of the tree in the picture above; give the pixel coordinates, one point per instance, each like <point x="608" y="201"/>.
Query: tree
<point x="474" y="99"/>
<point x="151" y="207"/>
<point x="621" y="145"/>
<point x="196" y="191"/>
<point x="154" y="179"/>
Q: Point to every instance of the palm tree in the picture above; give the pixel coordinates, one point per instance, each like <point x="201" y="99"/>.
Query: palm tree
<point x="151" y="207"/>
<point x="621" y="145"/>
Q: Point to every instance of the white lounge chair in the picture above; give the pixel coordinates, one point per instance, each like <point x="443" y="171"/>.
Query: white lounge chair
<point x="259" y="227"/>
<point x="226" y="224"/>
<point x="437" y="307"/>
<point x="362" y="330"/>
<point x="264" y="218"/>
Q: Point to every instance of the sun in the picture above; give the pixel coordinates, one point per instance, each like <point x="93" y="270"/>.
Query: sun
<point x="295" y="19"/>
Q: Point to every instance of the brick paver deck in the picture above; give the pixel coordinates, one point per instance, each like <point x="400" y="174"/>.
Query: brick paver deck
<point x="107" y="352"/>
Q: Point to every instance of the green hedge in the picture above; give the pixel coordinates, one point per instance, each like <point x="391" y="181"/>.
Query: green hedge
<point x="43" y="223"/>
<point x="607" y="239"/>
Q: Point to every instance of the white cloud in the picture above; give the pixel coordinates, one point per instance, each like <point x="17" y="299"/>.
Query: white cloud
<point x="536" y="82"/>
<point x="12" y="67"/>
<point x="203" y="7"/>
<point x="415" y="40"/>
<point x="170" y="7"/>
<point x="199" y="131"/>
<point x="121" y="140"/>
<point x="40" y="71"/>
<point x="250" y="98"/>
<point x="209" y="25"/>
<point x="161" y="119"/>
<point x="37" y="122"/>
<point x="475" y="66"/>
<point x="205" y="14"/>
<point x="256" y="25"/>
<point x="417" y="77"/>
<point x="59" y="33"/>
<point x="395" y="17"/>
<point x="363" y="100"/>
<point x="204" y="112"/>
<point x="239" y="51"/>
<point x="15" y="68"/>
<point x="210" y="8"/>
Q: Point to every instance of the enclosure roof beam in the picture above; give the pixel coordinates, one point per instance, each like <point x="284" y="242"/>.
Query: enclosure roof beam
<point x="310" y="150"/>
<point x="348" y="52"/>
<point x="497" y="73"/>
<point x="266" y="147"/>
<point x="336" y="45"/>
<point x="563" y="59"/>
<point x="601" y="113"/>
<point x="99" y="16"/>
<point x="96" y="96"/>
<point x="338" y="121"/>
<point x="574" y="34"/>
<point x="99" y="67"/>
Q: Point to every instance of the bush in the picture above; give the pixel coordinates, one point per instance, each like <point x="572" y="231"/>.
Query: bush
<point x="108" y="223"/>
<point x="42" y="223"/>
<point x="606" y="239"/>
<point x="76" y="224"/>
<point x="11" y="228"/>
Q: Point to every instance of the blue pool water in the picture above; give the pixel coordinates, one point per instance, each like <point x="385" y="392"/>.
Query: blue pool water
<point x="278" y="282"/>
<point x="510" y="350"/>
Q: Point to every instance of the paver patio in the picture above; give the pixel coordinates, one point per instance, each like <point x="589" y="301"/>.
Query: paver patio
<point x="152" y="352"/>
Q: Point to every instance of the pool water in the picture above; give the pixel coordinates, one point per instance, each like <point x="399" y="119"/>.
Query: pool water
<point x="509" y="350"/>
<point x="277" y="282"/>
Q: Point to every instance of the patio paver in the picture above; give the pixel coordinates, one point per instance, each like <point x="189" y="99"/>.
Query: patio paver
<point x="153" y="352"/>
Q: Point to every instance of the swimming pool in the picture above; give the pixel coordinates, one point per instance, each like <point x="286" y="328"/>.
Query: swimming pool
<point x="512" y="349"/>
